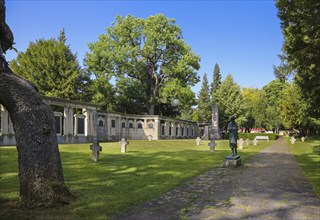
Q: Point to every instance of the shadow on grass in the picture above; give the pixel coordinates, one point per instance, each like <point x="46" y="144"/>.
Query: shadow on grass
<point x="112" y="185"/>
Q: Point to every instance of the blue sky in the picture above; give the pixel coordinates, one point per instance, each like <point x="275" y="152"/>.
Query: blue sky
<point x="243" y="37"/>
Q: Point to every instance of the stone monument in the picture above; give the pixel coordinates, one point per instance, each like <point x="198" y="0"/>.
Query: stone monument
<point x="95" y="148"/>
<point x="233" y="160"/>
<point x="198" y="140"/>
<point x="214" y="131"/>
<point x="240" y="143"/>
<point x="123" y="145"/>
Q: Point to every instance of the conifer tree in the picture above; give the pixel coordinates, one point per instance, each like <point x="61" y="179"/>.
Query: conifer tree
<point x="204" y="107"/>
<point x="52" y="67"/>
<point x="216" y="81"/>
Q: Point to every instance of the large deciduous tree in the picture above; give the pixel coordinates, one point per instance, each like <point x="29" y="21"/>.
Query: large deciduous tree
<point x="40" y="171"/>
<point x="52" y="67"/>
<point x="300" y="23"/>
<point x="150" y="50"/>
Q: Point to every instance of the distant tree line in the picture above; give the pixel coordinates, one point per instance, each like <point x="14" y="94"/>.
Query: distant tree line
<point x="153" y="70"/>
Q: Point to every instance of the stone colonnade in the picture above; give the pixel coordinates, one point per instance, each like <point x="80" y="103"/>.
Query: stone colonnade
<point x="114" y="126"/>
<point x="78" y="122"/>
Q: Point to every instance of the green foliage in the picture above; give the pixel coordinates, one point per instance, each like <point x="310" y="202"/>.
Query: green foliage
<point x="229" y="99"/>
<point x="300" y="23"/>
<point x="251" y="136"/>
<point x="216" y="81"/>
<point x="53" y="69"/>
<point x="204" y="103"/>
<point x="308" y="157"/>
<point x="150" y="50"/>
<point x="117" y="181"/>
<point x="293" y="107"/>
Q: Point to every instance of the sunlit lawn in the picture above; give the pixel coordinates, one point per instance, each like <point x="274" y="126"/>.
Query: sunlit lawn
<point x="308" y="157"/>
<point x="117" y="181"/>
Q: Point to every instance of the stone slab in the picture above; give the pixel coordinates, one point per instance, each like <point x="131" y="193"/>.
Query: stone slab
<point x="232" y="163"/>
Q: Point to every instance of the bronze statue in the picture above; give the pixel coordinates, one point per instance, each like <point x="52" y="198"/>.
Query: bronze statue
<point x="233" y="135"/>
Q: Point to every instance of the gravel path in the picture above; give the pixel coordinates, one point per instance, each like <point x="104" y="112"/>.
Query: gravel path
<point x="269" y="186"/>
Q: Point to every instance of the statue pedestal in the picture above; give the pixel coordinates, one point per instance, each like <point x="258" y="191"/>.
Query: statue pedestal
<point x="232" y="161"/>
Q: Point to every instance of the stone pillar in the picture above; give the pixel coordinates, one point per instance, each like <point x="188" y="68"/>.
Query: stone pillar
<point x="156" y="128"/>
<point x="94" y="124"/>
<point x="87" y="120"/>
<point x="4" y="121"/>
<point x="11" y="131"/>
<point x="67" y="121"/>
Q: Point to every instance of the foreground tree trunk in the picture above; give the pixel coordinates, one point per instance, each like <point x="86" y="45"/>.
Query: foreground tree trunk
<point x="40" y="171"/>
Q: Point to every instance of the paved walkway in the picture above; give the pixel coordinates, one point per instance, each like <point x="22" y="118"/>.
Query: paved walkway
<point x="269" y="186"/>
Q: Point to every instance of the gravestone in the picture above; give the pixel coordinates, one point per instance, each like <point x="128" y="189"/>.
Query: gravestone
<point x="95" y="148"/>
<point x="212" y="145"/>
<point x="247" y="142"/>
<point x="293" y="140"/>
<point x="255" y="142"/>
<point x="302" y="139"/>
<point x="198" y="140"/>
<point x="150" y="137"/>
<point x="240" y="143"/>
<point x="123" y="145"/>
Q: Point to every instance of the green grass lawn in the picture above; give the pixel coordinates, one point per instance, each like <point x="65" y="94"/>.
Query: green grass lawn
<point x="117" y="181"/>
<point x="308" y="157"/>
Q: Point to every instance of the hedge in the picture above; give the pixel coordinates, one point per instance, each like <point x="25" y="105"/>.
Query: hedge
<point x="251" y="136"/>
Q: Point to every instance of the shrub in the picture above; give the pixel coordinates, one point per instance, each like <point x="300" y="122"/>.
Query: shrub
<point x="251" y="136"/>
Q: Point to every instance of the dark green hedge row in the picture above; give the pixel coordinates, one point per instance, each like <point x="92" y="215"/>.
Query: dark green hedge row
<point x="251" y="136"/>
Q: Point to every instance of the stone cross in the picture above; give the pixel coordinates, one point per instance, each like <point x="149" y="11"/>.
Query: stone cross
<point x="212" y="144"/>
<point x="302" y="139"/>
<point x="198" y="140"/>
<point x="123" y="144"/>
<point x="240" y="142"/>
<point x="247" y="142"/>
<point x="150" y="137"/>
<point x="95" y="148"/>
<point x="255" y="142"/>
<point x="292" y="139"/>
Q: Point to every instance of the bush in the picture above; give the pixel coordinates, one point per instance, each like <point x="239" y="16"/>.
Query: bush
<point x="251" y="136"/>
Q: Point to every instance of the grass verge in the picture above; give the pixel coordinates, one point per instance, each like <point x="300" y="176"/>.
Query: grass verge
<point x="308" y="157"/>
<point x="117" y="181"/>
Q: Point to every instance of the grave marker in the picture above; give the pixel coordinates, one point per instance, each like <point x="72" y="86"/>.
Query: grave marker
<point x="247" y="142"/>
<point x="95" y="148"/>
<point x="240" y="143"/>
<point x="123" y="144"/>
<point x="302" y="139"/>
<point x="198" y="140"/>
<point x="292" y="139"/>
<point x="212" y="145"/>
<point x="255" y="142"/>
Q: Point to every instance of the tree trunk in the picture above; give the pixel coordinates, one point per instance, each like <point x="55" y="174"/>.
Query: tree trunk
<point x="40" y="171"/>
<point x="151" y="109"/>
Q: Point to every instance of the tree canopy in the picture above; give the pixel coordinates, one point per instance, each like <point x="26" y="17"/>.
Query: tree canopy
<point x="300" y="23"/>
<point x="151" y="51"/>
<point x="52" y="68"/>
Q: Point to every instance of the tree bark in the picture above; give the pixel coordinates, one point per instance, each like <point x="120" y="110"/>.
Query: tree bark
<point x="40" y="170"/>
